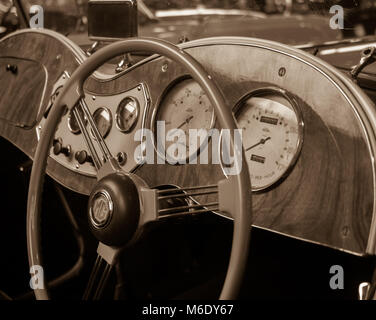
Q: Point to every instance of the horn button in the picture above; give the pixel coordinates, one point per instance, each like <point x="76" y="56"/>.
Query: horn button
<point x="114" y="210"/>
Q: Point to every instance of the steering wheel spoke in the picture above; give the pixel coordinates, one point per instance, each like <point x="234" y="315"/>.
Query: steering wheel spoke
<point x="101" y="272"/>
<point x="153" y="211"/>
<point x="178" y="202"/>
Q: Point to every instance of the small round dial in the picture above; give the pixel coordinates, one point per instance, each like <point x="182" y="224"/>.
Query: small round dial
<point x="184" y="107"/>
<point x="73" y="123"/>
<point x="103" y="119"/>
<point x="127" y="114"/>
<point x="272" y="137"/>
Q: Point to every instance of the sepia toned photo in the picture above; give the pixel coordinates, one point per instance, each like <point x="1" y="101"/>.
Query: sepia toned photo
<point x="167" y="151"/>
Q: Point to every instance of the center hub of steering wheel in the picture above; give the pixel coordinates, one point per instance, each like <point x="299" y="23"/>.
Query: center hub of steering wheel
<point x="114" y="209"/>
<point x="101" y="209"/>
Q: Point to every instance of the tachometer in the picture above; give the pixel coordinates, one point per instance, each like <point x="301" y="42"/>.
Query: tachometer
<point x="183" y="108"/>
<point x="272" y="135"/>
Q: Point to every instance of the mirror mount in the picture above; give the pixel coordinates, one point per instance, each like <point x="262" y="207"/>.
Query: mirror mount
<point x="112" y="20"/>
<point x="125" y="63"/>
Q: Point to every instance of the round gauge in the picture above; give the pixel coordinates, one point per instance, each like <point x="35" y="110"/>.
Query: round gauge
<point x="272" y="135"/>
<point x="73" y="123"/>
<point x="103" y="119"/>
<point x="185" y="107"/>
<point x="127" y="114"/>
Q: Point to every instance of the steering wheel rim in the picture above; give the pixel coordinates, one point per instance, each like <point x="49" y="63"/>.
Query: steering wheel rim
<point x="71" y="95"/>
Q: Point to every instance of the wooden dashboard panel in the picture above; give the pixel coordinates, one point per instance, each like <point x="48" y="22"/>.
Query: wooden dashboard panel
<point x="15" y="107"/>
<point x="328" y="198"/>
<point x="40" y="59"/>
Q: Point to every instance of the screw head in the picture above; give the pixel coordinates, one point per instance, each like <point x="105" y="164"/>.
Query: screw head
<point x="122" y="158"/>
<point x="282" y="72"/>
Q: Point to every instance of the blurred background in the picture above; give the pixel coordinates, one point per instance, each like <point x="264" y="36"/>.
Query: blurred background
<point x="70" y="16"/>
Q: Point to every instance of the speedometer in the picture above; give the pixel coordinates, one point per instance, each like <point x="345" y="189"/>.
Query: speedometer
<point x="272" y="129"/>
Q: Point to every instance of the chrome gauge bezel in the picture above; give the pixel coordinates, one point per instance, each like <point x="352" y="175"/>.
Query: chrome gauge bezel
<point x="108" y="111"/>
<point x="290" y="99"/>
<point x="156" y="109"/>
<point x="70" y="119"/>
<point x="118" y="115"/>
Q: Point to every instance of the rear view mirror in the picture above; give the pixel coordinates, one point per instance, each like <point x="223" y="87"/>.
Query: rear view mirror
<point x="112" y="20"/>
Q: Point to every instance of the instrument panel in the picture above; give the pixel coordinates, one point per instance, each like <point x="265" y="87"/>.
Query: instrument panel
<point x="269" y="118"/>
<point x="117" y="118"/>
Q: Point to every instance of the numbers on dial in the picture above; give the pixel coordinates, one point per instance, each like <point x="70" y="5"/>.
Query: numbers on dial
<point x="184" y="107"/>
<point x="272" y="137"/>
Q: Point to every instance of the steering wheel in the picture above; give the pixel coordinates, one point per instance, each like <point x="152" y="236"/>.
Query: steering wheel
<point x="121" y="203"/>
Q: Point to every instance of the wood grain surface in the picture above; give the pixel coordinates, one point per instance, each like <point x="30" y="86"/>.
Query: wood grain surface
<point x="15" y="107"/>
<point x="41" y="59"/>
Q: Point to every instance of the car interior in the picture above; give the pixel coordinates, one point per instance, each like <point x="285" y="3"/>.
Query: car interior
<point x="228" y="166"/>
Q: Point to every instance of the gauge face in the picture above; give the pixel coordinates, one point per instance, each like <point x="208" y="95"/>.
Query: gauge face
<point x="127" y="114"/>
<point x="73" y="123"/>
<point x="272" y="137"/>
<point x="103" y="119"/>
<point x="185" y="107"/>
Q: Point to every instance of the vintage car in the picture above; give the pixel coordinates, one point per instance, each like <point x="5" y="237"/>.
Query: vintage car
<point x="172" y="24"/>
<point x="176" y="21"/>
<point x="226" y="166"/>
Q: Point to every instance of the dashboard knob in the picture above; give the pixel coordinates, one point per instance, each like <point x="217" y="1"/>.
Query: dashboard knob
<point x="60" y="149"/>
<point x="82" y="157"/>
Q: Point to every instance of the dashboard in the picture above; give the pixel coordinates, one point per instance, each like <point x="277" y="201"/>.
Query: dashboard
<point x="116" y="117"/>
<point x="269" y="117"/>
<point x="308" y="135"/>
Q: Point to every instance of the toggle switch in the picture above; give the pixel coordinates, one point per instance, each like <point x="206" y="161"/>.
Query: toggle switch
<point x="59" y="148"/>
<point x="82" y="157"/>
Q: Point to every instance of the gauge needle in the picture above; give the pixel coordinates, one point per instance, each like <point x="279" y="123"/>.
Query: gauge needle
<point x="262" y="141"/>
<point x="186" y="122"/>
